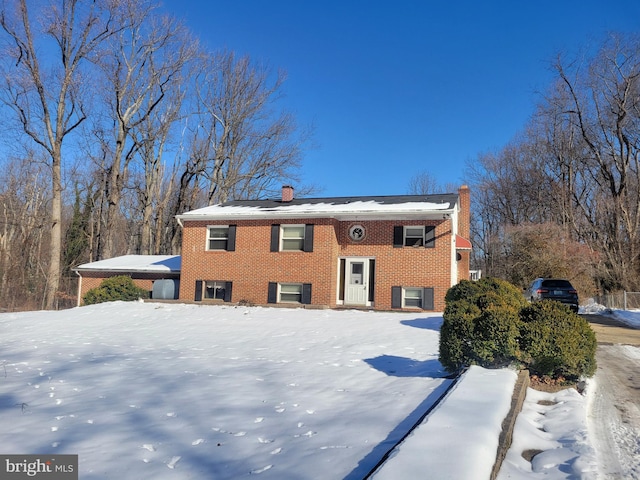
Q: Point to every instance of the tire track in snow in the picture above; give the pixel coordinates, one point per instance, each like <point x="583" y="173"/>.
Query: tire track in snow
<point x="614" y="413"/>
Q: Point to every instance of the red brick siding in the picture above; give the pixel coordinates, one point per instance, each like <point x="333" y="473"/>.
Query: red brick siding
<point x="252" y="265"/>
<point x="464" y="230"/>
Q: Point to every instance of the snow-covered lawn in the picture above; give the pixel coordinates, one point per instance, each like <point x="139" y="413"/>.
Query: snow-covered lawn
<point x="172" y="391"/>
<point x="143" y="390"/>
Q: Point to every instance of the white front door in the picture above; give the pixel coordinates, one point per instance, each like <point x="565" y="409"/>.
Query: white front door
<point x="356" y="281"/>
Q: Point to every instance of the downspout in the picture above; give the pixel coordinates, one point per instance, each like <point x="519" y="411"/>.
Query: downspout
<point x="79" y="287"/>
<point x="453" y="218"/>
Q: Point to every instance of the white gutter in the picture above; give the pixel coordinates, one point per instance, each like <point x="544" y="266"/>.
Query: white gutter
<point x="374" y="215"/>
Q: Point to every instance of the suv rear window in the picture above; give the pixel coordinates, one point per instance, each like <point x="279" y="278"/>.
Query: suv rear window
<point x="556" y="284"/>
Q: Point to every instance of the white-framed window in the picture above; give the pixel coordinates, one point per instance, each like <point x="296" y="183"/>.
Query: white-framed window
<point x="290" y="293"/>
<point x="215" y="290"/>
<point x="218" y="237"/>
<point x="414" y="236"/>
<point x="292" y="237"/>
<point x="412" y="297"/>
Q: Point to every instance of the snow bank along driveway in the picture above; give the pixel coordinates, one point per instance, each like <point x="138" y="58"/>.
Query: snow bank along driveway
<point x="167" y="391"/>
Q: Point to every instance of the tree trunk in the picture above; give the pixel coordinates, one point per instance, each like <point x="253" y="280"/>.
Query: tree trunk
<point x="53" y="280"/>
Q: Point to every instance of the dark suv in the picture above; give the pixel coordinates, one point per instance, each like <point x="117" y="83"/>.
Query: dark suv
<point x="553" y="289"/>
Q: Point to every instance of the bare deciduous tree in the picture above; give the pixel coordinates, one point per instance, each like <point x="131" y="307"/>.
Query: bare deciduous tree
<point x="577" y="165"/>
<point x="146" y="61"/>
<point x="603" y="107"/>
<point x="103" y="85"/>
<point x="24" y="203"/>
<point x="44" y="86"/>
<point x="242" y="145"/>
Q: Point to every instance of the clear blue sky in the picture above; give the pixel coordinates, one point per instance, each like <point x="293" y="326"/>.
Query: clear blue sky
<point x="395" y="88"/>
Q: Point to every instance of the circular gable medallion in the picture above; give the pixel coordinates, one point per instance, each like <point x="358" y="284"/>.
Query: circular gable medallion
<point x="356" y="233"/>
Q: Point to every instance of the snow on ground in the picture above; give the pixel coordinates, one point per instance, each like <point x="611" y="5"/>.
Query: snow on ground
<point x="553" y="426"/>
<point x="171" y="391"/>
<point x="556" y="428"/>
<point x="630" y="317"/>
<point x="166" y="391"/>
<point x="459" y="439"/>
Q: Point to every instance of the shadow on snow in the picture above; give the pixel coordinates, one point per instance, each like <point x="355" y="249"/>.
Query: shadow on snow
<point x="406" y="367"/>
<point x="429" y="323"/>
<point x="372" y="459"/>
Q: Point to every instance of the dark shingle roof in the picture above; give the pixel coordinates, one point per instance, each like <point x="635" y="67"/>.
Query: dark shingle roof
<point x="391" y="206"/>
<point x="380" y="199"/>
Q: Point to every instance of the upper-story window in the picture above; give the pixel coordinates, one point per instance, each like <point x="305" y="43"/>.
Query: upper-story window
<point x="414" y="236"/>
<point x="292" y="238"/>
<point x="221" y="237"/>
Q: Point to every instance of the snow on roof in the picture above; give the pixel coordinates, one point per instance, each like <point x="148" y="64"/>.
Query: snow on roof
<point x="135" y="263"/>
<point x="328" y="207"/>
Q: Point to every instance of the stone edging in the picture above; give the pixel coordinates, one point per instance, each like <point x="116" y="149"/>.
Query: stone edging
<point x="506" y="435"/>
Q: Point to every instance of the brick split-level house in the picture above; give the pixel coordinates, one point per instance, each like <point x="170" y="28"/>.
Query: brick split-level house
<point x="381" y="252"/>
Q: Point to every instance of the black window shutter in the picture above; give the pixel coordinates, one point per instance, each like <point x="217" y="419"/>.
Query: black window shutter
<point x="272" y="295"/>
<point x="308" y="238"/>
<point x="429" y="237"/>
<point x="198" y="296"/>
<point x="372" y="279"/>
<point x="275" y="238"/>
<point x="306" y="294"/>
<point x="227" y="292"/>
<point x="396" y="297"/>
<point x="398" y="236"/>
<point x="427" y="298"/>
<point x="231" y="240"/>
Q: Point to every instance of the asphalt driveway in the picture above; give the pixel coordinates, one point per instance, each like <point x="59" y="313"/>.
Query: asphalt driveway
<point x="614" y="415"/>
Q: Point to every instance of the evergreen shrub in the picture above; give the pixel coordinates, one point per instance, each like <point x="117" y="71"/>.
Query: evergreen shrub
<point x="557" y="342"/>
<point x="489" y="323"/>
<point x="111" y="289"/>
<point x="481" y="324"/>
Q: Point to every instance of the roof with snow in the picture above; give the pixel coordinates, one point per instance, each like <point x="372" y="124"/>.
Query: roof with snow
<point x="332" y="207"/>
<point x="134" y="263"/>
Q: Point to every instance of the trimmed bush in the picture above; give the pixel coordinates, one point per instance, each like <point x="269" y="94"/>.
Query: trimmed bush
<point x="489" y="323"/>
<point x="115" y="288"/>
<point x="455" y="334"/>
<point x="557" y="342"/>
<point x="495" y="335"/>
<point x="481" y="324"/>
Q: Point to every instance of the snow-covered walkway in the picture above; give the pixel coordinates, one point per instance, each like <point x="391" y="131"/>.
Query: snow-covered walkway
<point x="459" y="439"/>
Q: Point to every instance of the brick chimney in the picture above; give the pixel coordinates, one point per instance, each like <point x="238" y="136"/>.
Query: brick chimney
<point x="464" y="220"/>
<point x="287" y="193"/>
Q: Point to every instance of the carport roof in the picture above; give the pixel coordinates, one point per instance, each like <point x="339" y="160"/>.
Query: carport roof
<point x="134" y="263"/>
